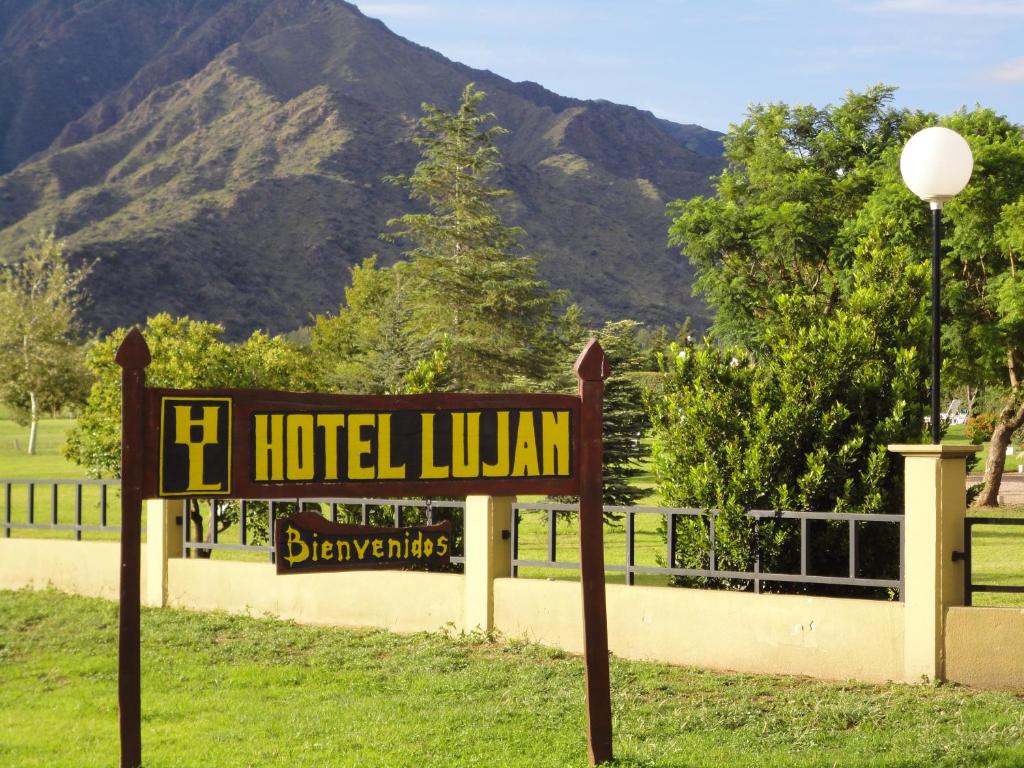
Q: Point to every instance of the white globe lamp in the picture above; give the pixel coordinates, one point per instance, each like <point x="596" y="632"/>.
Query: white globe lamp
<point x="936" y="165"/>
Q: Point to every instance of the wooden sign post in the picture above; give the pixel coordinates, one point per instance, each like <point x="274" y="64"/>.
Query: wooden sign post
<point x="255" y="444"/>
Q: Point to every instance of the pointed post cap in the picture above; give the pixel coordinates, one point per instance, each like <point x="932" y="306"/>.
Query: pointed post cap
<point x="592" y="364"/>
<point x="133" y="354"/>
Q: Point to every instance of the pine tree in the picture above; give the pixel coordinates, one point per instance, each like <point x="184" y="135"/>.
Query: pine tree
<point x="474" y="293"/>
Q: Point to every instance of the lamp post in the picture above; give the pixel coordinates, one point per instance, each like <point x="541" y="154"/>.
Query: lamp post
<point x="936" y="164"/>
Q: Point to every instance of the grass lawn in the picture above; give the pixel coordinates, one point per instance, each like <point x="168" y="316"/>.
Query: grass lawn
<point x="236" y="691"/>
<point x="48" y="461"/>
<point x="955" y="435"/>
<point x="998" y="553"/>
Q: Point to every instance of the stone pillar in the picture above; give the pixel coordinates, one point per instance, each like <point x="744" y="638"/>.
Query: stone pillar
<point x="163" y="540"/>
<point x="935" y="505"/>
<point x="488" y="548"/>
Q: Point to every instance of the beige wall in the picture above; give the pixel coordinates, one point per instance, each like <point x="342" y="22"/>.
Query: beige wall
<point x="985" y="647"/>
<point x="823" y="637"/>
<point x="402" y="601"/>
<point x="90" y="568"/>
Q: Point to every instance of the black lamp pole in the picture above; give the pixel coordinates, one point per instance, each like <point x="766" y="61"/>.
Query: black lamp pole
<point x="936" y="320"/>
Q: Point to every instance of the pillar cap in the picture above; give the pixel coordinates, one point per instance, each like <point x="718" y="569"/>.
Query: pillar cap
<point x="944" y="451"/>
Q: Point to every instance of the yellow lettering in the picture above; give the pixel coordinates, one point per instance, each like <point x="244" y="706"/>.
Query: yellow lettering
<point x="295" y="538"/>
<point x="428" y="548"/>
<point x="359" y="446"/>
<point x="500" y="467"/>
<point x="556" y="442"/>
<point x="316" y="548"/>
<point x="465" y="445"/>
<point x="331" y="423"/>
<point x="394" y="548"/>
<point x="385" y="470"/>
<point x="361" y="551"/>
<point x="417" y="544"/>
<point x="269" y="446"/>
<point x="427" y="469"/>
<point x="300" y="446"/>
<point x="347" y="550"/>
<point x="183" y="423"/>
<point x="378" y="548"/>
<point x="525" y="463"/>
<point x="327" y="550"/>
<point x="442" y="546"/>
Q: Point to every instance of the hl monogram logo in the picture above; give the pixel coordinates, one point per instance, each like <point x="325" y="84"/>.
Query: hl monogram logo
<point x="195" y="446"/>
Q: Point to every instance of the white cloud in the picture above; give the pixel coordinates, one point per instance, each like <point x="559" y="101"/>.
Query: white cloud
<point x="989" y="8"/>
<point x="1011" y="71"/>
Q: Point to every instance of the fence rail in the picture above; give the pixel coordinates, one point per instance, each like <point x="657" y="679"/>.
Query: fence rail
<point x="757" y="575"/>
<point x="365" y="511"/>
<point x="24" y="507"/>
<point x="253" y="521"/>
<point x="970" y="587"/>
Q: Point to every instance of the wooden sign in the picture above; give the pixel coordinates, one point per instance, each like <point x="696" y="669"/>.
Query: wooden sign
<point x="253" y="444"/>
<point x="310" y="543"/>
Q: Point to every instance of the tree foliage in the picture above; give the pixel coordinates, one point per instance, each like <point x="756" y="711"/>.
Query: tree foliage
<point x="626" y="422"/>
<point x="472" y="289"/>
<point x="801" y="424"/>
<point x="805" y="188"/>
<point x="817" y="359"/>
<point x="187" y="354"/>
<point x="41" y="362"/>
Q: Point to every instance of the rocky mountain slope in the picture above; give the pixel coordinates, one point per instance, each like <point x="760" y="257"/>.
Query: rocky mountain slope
<point x="224" y="159"/>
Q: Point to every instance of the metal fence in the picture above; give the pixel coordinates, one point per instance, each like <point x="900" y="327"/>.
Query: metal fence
<point x="970" y="587"/>
<point x="253" y="520"/>
<point x="76" y="506"/>
<point x="80" y="506"/>
<point x="757" y="575"/>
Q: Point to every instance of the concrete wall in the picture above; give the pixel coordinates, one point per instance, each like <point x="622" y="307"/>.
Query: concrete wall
<point x="80" y="567"/>
<point x="823" y="637"/>
<point x="402" y="601"/>
<point x="985" y="647"/>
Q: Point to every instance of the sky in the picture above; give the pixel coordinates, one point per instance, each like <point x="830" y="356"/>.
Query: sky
<point x="706" y="61"/>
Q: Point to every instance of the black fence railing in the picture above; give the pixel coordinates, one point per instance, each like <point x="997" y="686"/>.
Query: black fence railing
<point x="970" y="587"/>
<point x="757" y="575"/>
<point x="252" y="520"/>
<point x="72" y="507"/>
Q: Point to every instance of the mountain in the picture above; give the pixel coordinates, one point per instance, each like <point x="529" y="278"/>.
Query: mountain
<point x="224" y="159"/>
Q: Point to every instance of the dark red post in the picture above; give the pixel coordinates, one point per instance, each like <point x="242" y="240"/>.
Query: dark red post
<point x="591" y="370"/>
<point x="133" y="357"/>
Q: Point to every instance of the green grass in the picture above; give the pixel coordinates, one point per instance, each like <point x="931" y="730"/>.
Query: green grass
<point x="237" y="691"/>
<point x="48" y="461"/>
<point x="998" y="555"/>
<point x="955" y="435"/>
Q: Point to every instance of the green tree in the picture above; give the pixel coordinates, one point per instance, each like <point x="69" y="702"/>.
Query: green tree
<point x="983" y="284"/>
<point x="187" y="354"/>
<point x="804" y="422"/>
<point x="41" y="365"/>
<point x="372" y="346"/>
<point x="470" y="285"/>
<point x="626" y="422"/>
<point x="817" y="287"/>
<point x="784" y="216"/>
<point x="805" y="187"/>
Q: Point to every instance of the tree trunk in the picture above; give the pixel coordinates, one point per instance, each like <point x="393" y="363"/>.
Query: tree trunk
<point x="1010" y="420"/>
<point x="33" y="424"/>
